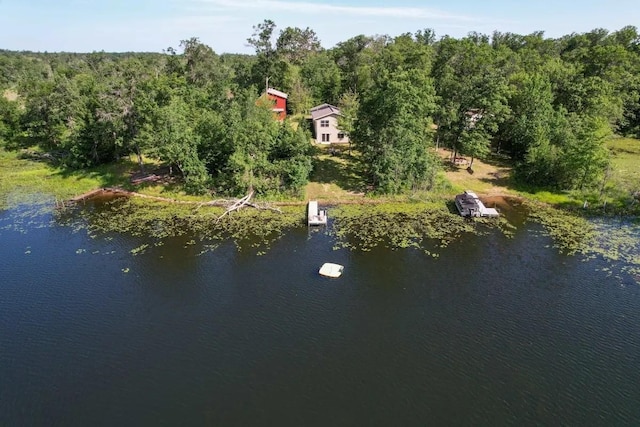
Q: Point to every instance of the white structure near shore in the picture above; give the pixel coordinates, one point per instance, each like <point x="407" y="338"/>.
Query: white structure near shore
<point x="469" y="205"/>
<point x="315" y="216"/>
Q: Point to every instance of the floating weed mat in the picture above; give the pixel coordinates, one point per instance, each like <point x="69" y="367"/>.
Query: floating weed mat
<point x="571" y="233"/>
<point x="404" y="225"/>
<point x="617" y="242"/>
<point x="251" y="228"/>
<point x="159" y="221"/>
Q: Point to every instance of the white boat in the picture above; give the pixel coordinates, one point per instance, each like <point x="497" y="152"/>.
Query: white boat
<point x="329" y="269"/>
<point x="469" y="205"/>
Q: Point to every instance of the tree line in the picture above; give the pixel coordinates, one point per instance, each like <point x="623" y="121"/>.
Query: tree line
<point x="548" y="104"/>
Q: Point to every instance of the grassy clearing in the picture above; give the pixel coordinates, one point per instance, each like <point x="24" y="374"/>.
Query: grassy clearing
<point x="625" y="165"/>
<point x="494" y="177"/>
<point x="335" y="177"/>
<point x="491" y="177"/>
<point x="21" y="179"/>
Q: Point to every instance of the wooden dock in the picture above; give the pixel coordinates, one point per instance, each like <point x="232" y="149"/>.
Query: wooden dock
<point x="315" y="216"/>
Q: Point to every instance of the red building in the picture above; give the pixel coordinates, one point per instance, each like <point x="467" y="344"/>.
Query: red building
<point x="280" y="102"/>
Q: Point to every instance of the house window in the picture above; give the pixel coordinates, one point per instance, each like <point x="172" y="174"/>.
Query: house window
<point x="324" y="123"/>
<point x="341" y="135"/>
<point x="325" y="137"/>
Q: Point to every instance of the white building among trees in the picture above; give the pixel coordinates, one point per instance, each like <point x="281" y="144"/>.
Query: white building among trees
<point x="325" y="125"/>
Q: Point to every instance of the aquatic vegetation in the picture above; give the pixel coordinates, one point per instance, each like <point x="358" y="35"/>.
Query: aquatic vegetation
<point x="618" y="243"/>
<point x="139" y="250"/>
<point x="425" y="226"/>
<point x="158" y="221"/>
<point x="574" y="234"/>
<point x="570" y="232"/>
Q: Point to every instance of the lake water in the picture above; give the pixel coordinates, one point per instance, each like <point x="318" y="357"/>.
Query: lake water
<point x="494" y="331"/>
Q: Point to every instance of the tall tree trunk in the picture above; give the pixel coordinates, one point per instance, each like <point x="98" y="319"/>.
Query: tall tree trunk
<point x="139" y="155"/>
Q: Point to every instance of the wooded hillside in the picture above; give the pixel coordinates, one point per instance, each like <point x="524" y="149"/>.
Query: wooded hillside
<point x="548" y="104"/>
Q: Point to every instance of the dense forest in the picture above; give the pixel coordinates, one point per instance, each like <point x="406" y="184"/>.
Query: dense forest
<point x="546" y="104"/>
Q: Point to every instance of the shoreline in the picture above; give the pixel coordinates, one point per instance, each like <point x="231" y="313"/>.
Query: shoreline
<point x="502" y="201"/>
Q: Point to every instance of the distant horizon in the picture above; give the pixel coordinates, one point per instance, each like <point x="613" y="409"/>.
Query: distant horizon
<point x="251" y="53"/>
<point x="147" y="26"/>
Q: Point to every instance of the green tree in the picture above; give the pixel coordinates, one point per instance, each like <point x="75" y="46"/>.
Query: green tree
<point x="529" y="124"/>
<point x="294" y="45"/>
<point x="322" y="76"/>
<point x="471" y="83"/>
<point x="10" y="116"/>
<point x="268" y="64"/>
<point x="172" y="138"/>
<point x="349" y="104"/>
<point x="393" y="132"/>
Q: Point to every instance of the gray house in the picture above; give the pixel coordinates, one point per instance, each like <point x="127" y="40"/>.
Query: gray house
<point x="325" y="125"/>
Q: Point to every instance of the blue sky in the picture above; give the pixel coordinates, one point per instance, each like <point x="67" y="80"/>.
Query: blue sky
<point x="153" y="25"/>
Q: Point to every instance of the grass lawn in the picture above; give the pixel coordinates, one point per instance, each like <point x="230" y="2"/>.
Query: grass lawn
<point x="335" y="177"/>
<point x="490" y="177"/>
<point x="24" y="179"/>
<point x="625" y="165"/>
<point x="21" y="179"/>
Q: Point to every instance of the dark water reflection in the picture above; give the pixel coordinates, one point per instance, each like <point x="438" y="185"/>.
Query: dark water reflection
<point x="495" y="331"/>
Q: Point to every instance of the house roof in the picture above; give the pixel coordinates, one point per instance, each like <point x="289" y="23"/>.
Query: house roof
<point x="324" y="110"/>
<point x="275" y="92"/>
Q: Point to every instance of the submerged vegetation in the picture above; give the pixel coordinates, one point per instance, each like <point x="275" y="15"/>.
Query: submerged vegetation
<point x="401" y="225"/>
<point x="424" y="226"/>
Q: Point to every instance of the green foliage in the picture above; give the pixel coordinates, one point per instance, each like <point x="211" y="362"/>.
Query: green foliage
<point x="471" y="83"/>
<point x="322" y="76"/>
<point x="10" y="116"/>
<point x="295" y="44"/>
<point x="267" y="156"/>
<point x="349" y="105"/>
<point x="393" y="134"/>
<point x="574" y="157"/>
<point x="173" y="140"/>
<point x="532" y="114"/>
<point x="547" y="103"/>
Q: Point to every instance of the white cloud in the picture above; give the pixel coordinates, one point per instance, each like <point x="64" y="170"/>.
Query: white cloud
<point x="310" y="8"/>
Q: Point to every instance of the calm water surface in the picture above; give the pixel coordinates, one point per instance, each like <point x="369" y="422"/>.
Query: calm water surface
<point x="495" y="331"/>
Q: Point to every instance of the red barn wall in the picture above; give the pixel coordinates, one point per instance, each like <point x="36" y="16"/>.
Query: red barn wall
<point x="279" y="103"/>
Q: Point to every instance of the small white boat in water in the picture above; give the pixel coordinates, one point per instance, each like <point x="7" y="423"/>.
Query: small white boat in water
<point x="329" y="269"/>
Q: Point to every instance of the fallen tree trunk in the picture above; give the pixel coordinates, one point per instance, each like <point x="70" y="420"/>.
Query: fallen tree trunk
<point x="237" y="205"/>
<point x="231" y="205"/>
